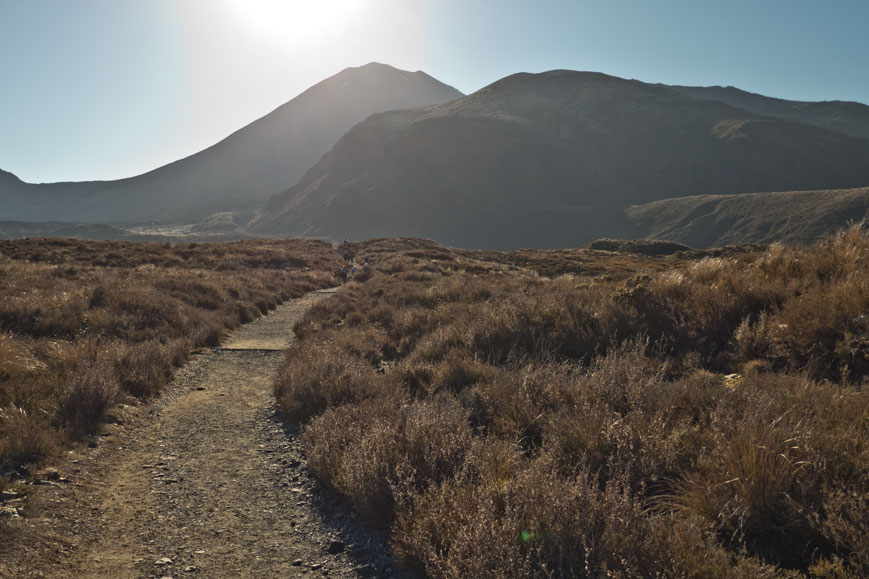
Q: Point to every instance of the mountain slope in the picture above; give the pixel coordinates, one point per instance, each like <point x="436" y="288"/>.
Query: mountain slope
<point x="848" y="118"/>
<point x="717" y="220"/>
<point x="241" y="171"/>
<point x="551" y="160"/>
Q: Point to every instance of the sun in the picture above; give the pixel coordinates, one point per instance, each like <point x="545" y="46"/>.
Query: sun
<point x="298" y="22"/>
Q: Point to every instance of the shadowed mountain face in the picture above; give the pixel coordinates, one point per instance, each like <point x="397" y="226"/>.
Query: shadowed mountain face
<point x="848" y="118"/>
<point x="241" y="171"/>
<point x="551" y="160"/>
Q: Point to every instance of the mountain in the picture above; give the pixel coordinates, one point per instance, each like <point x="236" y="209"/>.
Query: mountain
<point x="848" y="118"/>
<point x="242" y="170"/>
<point x="717" y="220"/>
<point x="551" y="160"/>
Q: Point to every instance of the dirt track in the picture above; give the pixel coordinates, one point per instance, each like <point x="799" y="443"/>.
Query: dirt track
<point x="207" y="482"/>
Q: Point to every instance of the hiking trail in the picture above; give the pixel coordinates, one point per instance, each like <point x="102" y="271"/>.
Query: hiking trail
<point x="208" y="481"/>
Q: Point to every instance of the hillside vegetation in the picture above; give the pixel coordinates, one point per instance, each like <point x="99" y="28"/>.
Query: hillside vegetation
<point x="85" y="325"/>
<point x="715" y="220"/>
<point x="539" y="414"/>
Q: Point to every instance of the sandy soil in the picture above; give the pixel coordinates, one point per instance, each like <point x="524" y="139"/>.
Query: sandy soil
<point x="206" y="482"/>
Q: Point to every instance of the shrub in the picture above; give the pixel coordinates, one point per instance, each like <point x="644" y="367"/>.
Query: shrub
<point x="378" y="454"/>
<point x="533" y="524"/>
<point x="700" y="415"/>
<point x="312" y="380"/>
<point x="92" y="388"/>
<point x="144" y="368"/>
<point x="23" y="438"/>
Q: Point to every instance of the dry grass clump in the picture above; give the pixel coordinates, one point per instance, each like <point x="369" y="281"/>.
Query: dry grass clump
<point x="697" y="415"/>
<point x="92" y="387"/>
<point x="320" y="378"/>
<point x="23" y="437"/>
<point x="83" y="323"/>
<point x="379" y="453"/>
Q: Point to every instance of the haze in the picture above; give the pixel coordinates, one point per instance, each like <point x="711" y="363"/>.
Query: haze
<point x="99" y="89"/>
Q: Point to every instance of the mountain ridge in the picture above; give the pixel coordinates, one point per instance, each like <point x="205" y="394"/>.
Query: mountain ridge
<point x="846" y="117"/>
<point x="547" y="144"/>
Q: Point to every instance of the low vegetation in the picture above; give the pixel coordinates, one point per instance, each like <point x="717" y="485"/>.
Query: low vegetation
<point x="85" y="325"/>
<point x="539" y="414"/>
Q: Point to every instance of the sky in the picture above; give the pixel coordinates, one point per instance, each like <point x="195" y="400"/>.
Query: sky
<point x="105" y="89"/>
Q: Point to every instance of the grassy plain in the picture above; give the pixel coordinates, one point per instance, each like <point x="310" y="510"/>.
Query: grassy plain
<point x="85" y="325"/>
<point x="597" y="413"/>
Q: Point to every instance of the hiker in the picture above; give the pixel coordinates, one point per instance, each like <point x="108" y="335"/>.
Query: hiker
<point x="344" y="273"/>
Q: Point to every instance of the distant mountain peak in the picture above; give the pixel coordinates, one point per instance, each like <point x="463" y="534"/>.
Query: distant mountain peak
<point x="242" y="171"/>
<point x="573" y="84"/>
<point x="378" y="66"/>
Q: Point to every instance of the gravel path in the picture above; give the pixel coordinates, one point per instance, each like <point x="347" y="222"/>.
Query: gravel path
<point x="207" y="482"/>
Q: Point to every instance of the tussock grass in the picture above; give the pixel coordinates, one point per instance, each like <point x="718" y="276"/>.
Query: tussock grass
<point x="696" y="414"/>
<point x="84" y="324"/>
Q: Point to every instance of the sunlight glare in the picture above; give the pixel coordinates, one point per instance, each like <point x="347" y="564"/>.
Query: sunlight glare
<point x="299" y="23"/>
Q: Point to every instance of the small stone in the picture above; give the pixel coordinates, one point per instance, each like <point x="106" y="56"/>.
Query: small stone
<point x="9" y="513"/>
<point x="51" y="474"/>
<point x="9" y="495"/>
<point x="335" y="547"/>
<point x="199" y="552"/>
<point x="191" y="569"/>
<point x="315" y="566"/>
<point x="297" y="563"/>
<point x="163" y="561"/>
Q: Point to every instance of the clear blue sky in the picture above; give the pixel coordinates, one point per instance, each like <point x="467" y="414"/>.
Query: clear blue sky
<point x="102" y="89"/>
